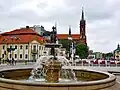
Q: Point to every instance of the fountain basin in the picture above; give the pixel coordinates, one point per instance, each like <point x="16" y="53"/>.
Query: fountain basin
<point x="12" y="79"/>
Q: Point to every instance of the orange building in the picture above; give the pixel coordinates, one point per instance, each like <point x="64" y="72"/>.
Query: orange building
<point x="78" y="38"/>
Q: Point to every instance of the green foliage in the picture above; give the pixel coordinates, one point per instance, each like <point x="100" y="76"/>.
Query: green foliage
<point x="105" y="55"/>
<point x="65" y="43"/>
<point x="82" y="51"/>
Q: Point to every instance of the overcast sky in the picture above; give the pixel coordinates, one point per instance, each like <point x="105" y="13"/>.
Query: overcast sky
<point x="102" y="18"/>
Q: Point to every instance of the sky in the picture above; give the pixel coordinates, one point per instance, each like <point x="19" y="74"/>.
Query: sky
<point x="102" y="18"/>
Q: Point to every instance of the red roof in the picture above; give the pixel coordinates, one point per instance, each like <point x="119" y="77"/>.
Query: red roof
<point x="20" y="36"/>
<point x="20" y="31"/>
<point x="65" y="36"/>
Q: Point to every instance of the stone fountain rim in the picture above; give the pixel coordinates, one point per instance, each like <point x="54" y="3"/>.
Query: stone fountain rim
<point x="111" y="78"/>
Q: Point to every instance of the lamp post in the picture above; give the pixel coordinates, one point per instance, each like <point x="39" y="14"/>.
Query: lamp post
<point x="70" y="39"/>
<point x="73" y="53"/>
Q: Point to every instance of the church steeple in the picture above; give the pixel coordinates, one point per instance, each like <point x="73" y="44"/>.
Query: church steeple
<point x="70" y="35"/>
<point x="82" y="17"/>
<point x="83" y="29"/>
<point x="118" y="46"/>
<point x="69" y="31"/>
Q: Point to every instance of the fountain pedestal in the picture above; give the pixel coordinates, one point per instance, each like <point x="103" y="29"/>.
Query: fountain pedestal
<point x="52" y="71"/>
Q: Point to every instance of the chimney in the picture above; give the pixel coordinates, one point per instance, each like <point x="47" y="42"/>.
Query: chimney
<point x="27" y="27"/>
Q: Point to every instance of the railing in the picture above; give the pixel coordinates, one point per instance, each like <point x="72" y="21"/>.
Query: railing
<point x="98" y="63"/>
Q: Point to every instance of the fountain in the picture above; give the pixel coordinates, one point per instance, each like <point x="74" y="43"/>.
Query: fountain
<point x="49" y="69"/>
<point x="54" y="73"/>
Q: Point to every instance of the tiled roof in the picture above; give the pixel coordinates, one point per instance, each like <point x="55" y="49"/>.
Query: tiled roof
<point x="65" y="36"/>
<point x="20" y="31"/>
<point x="20" y="36"/>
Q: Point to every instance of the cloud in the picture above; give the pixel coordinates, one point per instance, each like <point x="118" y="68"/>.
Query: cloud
<point x="102" y="18"/>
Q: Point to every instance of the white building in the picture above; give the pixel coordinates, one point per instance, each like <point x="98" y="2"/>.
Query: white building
<point x="22" y="44"/>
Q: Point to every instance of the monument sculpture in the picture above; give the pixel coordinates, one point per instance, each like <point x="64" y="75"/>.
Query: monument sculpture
<point x="54" y="66"/>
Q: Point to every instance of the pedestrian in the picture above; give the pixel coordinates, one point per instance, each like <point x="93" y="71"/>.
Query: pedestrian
<point x="15" y="61"/>
<point x="25" y="62"/>
<point x="12" y="61"/>
<point x="8" y="61"/>
<point x="3" y="61"/>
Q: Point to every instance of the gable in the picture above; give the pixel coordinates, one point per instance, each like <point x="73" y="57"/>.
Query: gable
<point x="34" y="41"/>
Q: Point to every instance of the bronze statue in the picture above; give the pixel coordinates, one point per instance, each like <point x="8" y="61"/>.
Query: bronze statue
<point x="53" y="40"/>
<point x="53" y="35"/>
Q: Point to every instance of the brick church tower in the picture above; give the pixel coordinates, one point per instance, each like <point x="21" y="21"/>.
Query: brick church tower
<point x="83" y="29"/>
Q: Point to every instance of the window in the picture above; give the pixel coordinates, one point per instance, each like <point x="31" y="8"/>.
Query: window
<point x="10" y="56"/>
<point x="21" y="47"/>
<point x="26" y="46"/>
<point x="39" y="47"/>
<point x="43" y="48"/>
<point x="5" y="52"/>
<point x="10" y="46"/>
<point x="34" y="47"/>
<point x="3" y="47"/>
<point x="20" y="55"/>
<point x="15" y="55"/>
<point x="15" y="46"/>
<point x="2" y="55"/>
<point x="26" y="56"/>
<point x="39" y="55"/>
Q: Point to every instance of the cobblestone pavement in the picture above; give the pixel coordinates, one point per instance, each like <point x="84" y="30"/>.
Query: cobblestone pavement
<point x="116" y="86"/>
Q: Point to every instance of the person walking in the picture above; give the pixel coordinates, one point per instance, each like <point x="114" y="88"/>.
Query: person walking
<point x="15" y="61"/>
<point x="7" y="61"/>
<point x="12" y="61"/>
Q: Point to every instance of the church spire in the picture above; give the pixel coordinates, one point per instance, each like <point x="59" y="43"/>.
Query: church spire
<point x="82" y="17"/>
<point x="118" y="46"/>
<point x="69" y="35"/>
<point x="56" y="27"/>
<point x="83" y="29"/>
<point x="69" y="30"/>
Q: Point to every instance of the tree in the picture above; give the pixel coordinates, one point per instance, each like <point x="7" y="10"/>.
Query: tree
<point x="82" y="51"/>
<point x="65" y="43"/>
<point x="107" y="55"/>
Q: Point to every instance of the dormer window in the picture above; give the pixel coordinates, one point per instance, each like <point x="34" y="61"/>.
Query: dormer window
<point x="5" y="39"/>
<point x="17" y="38"/>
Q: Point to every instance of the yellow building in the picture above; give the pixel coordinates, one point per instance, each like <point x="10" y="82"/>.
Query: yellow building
<point x="21" y="44"/>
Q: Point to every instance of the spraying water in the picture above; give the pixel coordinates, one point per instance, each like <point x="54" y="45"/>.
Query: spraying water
<point x="39" y="72"/>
